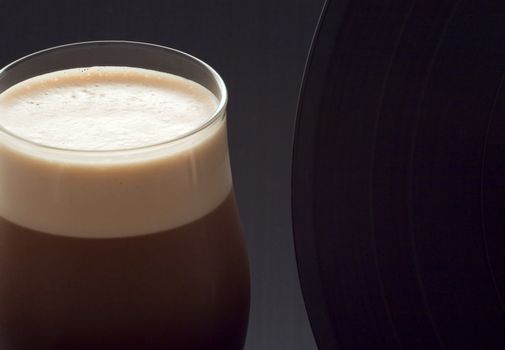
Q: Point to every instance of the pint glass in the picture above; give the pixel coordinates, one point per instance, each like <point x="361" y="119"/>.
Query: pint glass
<point x="133" y="248"/>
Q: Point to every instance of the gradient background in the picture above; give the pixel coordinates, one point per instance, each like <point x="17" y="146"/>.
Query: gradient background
<point x="259" y="48"/>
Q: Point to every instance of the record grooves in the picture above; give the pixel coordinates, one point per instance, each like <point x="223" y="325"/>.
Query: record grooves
<point x="399" y="176"/>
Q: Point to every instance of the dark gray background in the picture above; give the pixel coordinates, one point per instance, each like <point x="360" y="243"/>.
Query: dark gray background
<point x="259" y="48"/>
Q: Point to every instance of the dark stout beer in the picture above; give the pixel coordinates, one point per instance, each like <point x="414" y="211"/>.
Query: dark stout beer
<point x="114" y="242"/>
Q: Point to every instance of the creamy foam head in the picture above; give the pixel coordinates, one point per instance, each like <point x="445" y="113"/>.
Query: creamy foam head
<point x="105" y="108"/>
<point x="115" y="193"/>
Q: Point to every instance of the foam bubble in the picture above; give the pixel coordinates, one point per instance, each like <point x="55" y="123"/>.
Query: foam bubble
<point x="126" y="193"/>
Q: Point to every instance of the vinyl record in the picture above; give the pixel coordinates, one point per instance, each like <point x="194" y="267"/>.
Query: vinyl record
<point x="399" y="176"/>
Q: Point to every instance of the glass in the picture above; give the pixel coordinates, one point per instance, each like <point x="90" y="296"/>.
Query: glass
<point x="82" y="264"/>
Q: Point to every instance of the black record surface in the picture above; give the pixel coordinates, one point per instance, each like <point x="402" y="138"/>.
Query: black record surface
<point x="399" y="176"/>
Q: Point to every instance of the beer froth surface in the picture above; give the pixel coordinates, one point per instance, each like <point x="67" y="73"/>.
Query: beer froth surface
<point x="114" y="194"/>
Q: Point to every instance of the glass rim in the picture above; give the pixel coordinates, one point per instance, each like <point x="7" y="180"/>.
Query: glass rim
<point x="215" y="116"/>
